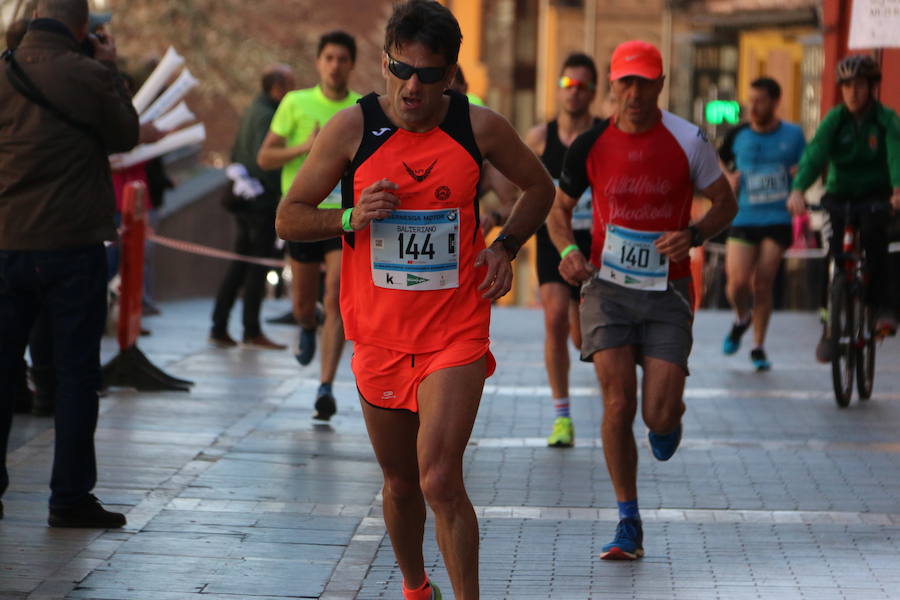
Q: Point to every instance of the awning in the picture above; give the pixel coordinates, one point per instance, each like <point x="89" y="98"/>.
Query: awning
<point x="756" y="18"/>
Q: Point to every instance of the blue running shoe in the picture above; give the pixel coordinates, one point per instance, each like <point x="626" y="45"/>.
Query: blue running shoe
<point x="306" y="349"/>
<point x="760" y="360"/>
<point x="733" y="340"/>
<point x="664" y="446"/>
<point x="628" y="543"/>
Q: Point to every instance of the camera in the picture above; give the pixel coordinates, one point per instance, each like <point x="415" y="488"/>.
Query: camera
<point x="87" y="46"/>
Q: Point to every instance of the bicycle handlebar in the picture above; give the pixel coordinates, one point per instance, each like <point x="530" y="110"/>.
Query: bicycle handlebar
<point x="869" y="207"/>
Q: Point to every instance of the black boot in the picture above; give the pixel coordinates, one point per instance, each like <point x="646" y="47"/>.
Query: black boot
<point x="44" y="391"/>
<point x="89" y="513"/>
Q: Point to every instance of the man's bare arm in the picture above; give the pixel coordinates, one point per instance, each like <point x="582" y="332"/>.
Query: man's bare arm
<point x="501" y="145"/>
<point x="506" y="192"/>
<point x="559" y="221"/>
<point x="274" y="153"/>
<point x="574" y="266"/>
<point x="677" y="244"/>
<point x="723" y="210"/>
<point x="299" y="218"/>
<point x="536" y="139"/>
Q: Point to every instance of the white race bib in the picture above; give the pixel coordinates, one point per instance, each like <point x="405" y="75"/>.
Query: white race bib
<point x="583" y="214"/>
<point x="630" y="259"/>
<point x="416" y="250"/>
<point x="768" y="184"/>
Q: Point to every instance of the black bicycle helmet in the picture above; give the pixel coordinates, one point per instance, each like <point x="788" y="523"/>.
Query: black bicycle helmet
<point x="858" y="65"/>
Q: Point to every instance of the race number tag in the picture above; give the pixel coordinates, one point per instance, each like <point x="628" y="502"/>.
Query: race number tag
<point x="334" y="199"/>
<point x="416" y="250"/>
<point x="630" y="259"/>
<point x="768" y="184"/>
<point x="583" y="214"/>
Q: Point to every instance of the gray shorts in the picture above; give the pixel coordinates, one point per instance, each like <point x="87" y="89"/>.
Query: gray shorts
<point x="658" y="323"/>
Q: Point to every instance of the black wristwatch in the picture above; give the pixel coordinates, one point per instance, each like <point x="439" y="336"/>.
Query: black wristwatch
<point x="509" y="243"/>
<point x="696" y="236"/>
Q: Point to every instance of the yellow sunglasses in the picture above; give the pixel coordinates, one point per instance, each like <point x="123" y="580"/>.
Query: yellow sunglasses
<point x="566" y="82"/>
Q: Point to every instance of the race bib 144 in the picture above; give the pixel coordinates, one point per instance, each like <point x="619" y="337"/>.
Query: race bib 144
<point x="416" y="250"/>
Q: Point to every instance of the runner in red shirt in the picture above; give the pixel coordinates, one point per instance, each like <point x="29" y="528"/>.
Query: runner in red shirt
<point x="643" y="167"/>
<point x="416" y="278"/>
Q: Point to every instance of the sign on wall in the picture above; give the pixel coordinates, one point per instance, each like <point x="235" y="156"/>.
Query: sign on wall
<point x="875" y="24"/>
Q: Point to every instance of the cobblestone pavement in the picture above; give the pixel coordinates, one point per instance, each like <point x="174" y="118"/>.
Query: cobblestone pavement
<point x="233" y="492"/>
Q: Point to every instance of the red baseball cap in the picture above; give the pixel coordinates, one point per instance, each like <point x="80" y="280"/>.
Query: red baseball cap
<point x="637" y="59"/>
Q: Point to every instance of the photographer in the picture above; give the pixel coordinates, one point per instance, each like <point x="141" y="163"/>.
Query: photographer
<point x="62" y="114"/>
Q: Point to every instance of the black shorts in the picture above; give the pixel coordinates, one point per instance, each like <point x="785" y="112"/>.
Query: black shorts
<point x="312" y="252"/>
<point x="548" y="258"/>
<point x="783" y="235"/>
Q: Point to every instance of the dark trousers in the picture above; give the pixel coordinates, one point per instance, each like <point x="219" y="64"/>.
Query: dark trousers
<point x="69" y="286"/>
<point x="256" y="237"/>
<point x="40" y="342"/>
<point x="873" y="227"/>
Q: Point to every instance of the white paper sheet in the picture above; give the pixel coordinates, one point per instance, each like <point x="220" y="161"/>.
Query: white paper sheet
<point x="196" y="134"/>
<point x="161" y="75"/>
<point x="175" y="118"/>
<point x="875" y="24"/>
<point x="172" y="96"/>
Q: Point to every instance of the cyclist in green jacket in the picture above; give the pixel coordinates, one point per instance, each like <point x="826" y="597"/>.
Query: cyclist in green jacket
<point x="859" y="141"/>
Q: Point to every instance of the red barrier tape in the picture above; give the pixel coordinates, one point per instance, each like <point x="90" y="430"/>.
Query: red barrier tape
<point x="131" y="265"/>
<point x="212" y="252"/>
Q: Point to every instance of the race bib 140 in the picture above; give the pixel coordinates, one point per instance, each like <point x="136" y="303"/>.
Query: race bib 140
<point x="630" y="259"/>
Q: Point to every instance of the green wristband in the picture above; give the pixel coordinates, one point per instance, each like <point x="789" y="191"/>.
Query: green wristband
<point x="345" y="220"/>
<point x="570" y="248"/>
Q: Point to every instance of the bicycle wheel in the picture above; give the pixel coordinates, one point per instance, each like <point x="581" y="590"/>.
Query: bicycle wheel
<point x="865" y="349"/>
<point x="843" y="353"/>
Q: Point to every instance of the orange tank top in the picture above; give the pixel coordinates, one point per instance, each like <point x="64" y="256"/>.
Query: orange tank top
<point x="408" y="282"/>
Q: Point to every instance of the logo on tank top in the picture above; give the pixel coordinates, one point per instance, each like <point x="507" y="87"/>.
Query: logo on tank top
<point x="381" y="131"/>
<point x="442" y="193"/>
<point x="637" y="185"/>
<point x="420" y="175"/>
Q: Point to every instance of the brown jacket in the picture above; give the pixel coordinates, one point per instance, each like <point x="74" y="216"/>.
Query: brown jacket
<point x="55" y="185"/>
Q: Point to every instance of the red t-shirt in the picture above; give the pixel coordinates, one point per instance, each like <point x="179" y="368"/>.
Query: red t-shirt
<point x="642" y="181"/>
<point x="408" y="282"/>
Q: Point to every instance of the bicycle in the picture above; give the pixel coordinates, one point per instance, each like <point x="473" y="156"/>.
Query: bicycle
<point x="851" y="320"/>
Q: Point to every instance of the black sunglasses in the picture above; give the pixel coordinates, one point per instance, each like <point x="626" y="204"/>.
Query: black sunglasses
<point x="405" y="71"/>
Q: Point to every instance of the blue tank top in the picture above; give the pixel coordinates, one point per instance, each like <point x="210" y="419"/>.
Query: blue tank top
<point x="765" y="161"/>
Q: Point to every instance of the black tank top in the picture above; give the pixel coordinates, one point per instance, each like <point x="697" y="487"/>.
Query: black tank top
<point x="554" y="150"/>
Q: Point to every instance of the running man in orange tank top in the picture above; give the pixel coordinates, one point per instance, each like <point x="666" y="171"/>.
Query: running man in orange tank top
<point x="417" y="279"/>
